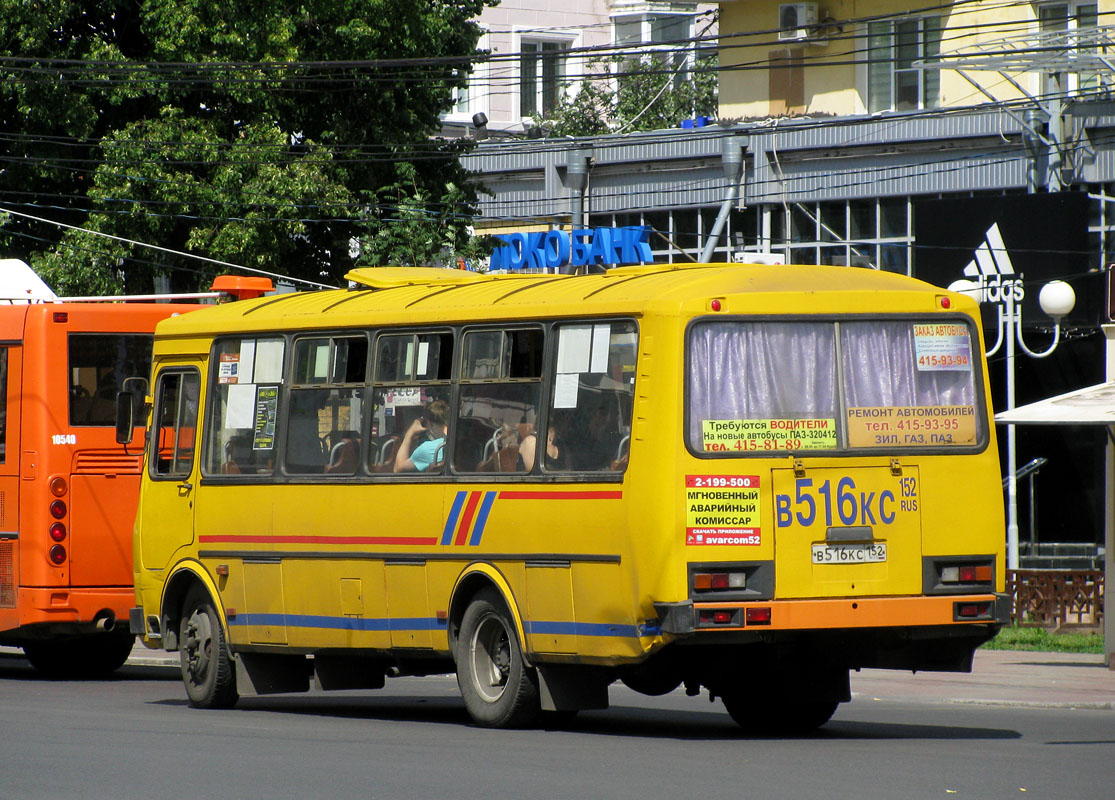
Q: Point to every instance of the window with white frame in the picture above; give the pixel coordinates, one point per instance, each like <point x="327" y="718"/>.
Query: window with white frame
<point x="1055" y="18"/>
<point x="473" y="96"/>
<point x="893" y="82"/>
<point x="662" y="36"/>
<point x="543" y="71"/>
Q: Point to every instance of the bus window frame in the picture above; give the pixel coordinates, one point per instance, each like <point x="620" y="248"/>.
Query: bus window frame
<point x="459" y="382"/>
<point x="289" y="387"/>
<point x="374" y="385"/>
<point x="844" y="451"/>
<point x="156" y="425"/>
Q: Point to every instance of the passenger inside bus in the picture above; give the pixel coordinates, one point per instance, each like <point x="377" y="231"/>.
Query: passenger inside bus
<point x="422" y="447"/>
<point x="555" y="458"/>
<point x="596" y="436"/>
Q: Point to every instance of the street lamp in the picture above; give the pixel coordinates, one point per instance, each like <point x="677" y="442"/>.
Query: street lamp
<point x="1056" y="299"/>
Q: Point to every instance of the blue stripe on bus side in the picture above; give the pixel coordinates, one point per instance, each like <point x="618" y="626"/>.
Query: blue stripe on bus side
<point x="433" y="624"/>
<point x="454" y="513"/>
<point x="482" y="518"/>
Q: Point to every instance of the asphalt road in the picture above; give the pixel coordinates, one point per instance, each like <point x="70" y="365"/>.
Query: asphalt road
<point x="133" y="736"/>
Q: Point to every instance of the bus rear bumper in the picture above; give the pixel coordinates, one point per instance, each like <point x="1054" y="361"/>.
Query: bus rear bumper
<point x="687" y="617"/>
<point x="64" y="610"/>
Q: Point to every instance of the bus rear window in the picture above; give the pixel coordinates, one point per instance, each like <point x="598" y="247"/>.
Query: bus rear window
<point x="797" y="386"/>
<point x="99" y="363"/>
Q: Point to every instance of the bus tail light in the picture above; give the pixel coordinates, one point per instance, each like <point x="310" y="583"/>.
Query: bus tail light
<point x="57" y="555"/>
<point x="58" y="509"/>
<point x="58" y="486"/>
<point x="719" y="581"/>
<point x="711" y="617"/>
<point x="57" y="531"/>
<point x="979" y="610"/>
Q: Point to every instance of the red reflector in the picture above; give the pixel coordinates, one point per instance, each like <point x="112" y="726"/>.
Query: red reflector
<point x="722" y="617"/>
<point x="57" y="554"/>
<point x="715" y="305"/>
<point x="971" y="573"/>
<point x="946" y="302"/>
<point x="58" y="509"/>
<point x="973" y="609"/>
<point x="758" y="616"/>
<point x="57" y="531"/>
<point x="61" y="316"/>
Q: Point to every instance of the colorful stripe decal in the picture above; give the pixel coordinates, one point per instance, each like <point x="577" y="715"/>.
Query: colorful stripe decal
<point x="594" y="629"/>
<point x="451" y="521"/>
<point x="281" y="539"/>
<point x="466" y="517"/>
<point x="482" y="518"/>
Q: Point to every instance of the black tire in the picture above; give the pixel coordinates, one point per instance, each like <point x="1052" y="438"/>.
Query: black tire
<point x="766" y="718"/>
<point x="499" y="690"/>
<point x="207" y="669"/>
<point x="92" y="656"/>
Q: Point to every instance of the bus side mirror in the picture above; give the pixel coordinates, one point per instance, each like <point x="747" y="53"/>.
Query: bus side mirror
<point x="125" y="425"/>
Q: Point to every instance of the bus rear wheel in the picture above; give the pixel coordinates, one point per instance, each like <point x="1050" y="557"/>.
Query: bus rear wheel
<point x="499" y="690"/>
<point x="772" y="718"/>
<point x="207" y="669"/>
<point x="86" y="657"/>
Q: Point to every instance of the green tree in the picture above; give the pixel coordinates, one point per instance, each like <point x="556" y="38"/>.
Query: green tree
<point x="649" y="93"/>
<point x="259" y="133"/>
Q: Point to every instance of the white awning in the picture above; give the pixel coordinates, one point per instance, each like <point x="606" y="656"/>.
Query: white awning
<point x="1092" y="405"/>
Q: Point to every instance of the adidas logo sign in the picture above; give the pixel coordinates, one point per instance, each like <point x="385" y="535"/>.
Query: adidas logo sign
<point x="993" y="271"/>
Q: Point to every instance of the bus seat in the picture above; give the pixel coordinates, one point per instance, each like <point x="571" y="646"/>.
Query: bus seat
<point x="343" y="458"/>
<point x="506" y="459"/>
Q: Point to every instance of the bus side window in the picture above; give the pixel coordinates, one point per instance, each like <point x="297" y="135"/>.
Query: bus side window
<point x="501" y="388"/>
<point x="412" y="372"/>
<point x="591" y="398"/>
<point x="243" y="406"/>
<point x="176" y="406"/>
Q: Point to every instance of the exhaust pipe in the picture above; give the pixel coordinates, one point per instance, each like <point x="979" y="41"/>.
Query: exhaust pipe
<point x="105" y="621"/>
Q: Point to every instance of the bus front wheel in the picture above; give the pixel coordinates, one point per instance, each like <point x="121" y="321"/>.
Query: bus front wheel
<point x="207" y="669"/>
<point x="499" y="690"/>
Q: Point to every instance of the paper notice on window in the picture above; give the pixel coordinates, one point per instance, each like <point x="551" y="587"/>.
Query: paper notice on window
<point x="942" y="347"/>
<point x="266" y="410"/>
<point x="240" y="409"/>
<point x="228" y="369"/>
<point x="601" y="343"/>
<point x="269" y="361"/>
<point x="248" y="360"/>
<point x="574" y="348"/>
<point x="423" y="358"/>
<point x="767" y="435"/>
<point x="565" y="390"/>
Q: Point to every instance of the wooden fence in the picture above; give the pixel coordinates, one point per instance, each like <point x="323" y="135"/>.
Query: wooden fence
<point x="1055" y="598"/>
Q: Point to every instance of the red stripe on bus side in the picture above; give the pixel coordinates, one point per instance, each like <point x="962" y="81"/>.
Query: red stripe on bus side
<point x="561" y="495"/>
<point x="251" y="539"/>
<point x="466" y="517"/>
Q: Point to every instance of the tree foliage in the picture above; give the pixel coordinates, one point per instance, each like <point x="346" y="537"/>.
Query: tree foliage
<point x="267" y="133"/>
<point x="654" y="92"/>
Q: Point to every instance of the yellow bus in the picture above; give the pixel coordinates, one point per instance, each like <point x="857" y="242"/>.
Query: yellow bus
<point x="739" y="478"/>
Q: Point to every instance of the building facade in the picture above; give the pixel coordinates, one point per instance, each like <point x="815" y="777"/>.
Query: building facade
<point x="850" y="130"/>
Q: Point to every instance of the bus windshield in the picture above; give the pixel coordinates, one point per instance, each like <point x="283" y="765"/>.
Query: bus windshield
<point x="99" y="363"/>
<point x="787" y="386"/>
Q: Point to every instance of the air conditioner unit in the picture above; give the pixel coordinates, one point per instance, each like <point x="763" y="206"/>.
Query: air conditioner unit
<point x="795" y="21"/>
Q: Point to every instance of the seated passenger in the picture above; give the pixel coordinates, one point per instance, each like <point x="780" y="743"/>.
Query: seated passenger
<point x="555" y="459"/>
<point x="423" y="445"/>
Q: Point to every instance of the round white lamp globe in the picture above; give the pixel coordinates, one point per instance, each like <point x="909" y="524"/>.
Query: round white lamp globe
<point x="1056" y="299"/>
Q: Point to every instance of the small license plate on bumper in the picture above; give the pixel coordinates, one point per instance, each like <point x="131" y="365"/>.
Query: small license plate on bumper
<point x="860" y="553"/>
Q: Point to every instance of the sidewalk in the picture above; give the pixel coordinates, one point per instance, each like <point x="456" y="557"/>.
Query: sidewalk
<point x="1001" y="677"/>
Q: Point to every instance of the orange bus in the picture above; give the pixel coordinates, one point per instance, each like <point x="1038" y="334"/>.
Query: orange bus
<point x="68" y="491"/>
